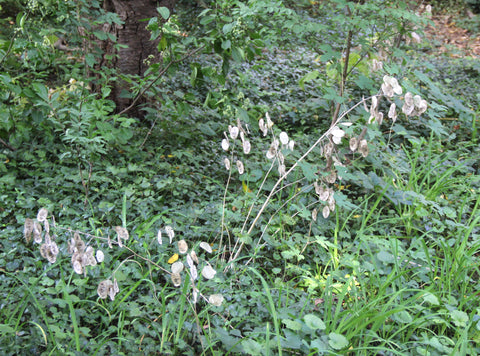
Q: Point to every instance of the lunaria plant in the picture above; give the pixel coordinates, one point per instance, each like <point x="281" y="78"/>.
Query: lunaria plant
<point x="329" y="144"/>
<point x="191" y="264"/>
<point x="49" y="248"/>
<point x="107" y="288"/>
<point x="83" y="255"/>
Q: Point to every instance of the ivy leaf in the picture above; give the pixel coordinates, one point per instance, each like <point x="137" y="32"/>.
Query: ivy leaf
<point x="251" y="347"/>
<point x="337" y="341"/>
<point x="459" y="317"/>
<point x="292" y="324"/>
<point x="430" y="298"/>
<point x="402" y="317"/>
<point x="314" y="322"/>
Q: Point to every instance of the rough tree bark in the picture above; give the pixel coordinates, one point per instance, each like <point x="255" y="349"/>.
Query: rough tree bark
<point x="133" y="34"/>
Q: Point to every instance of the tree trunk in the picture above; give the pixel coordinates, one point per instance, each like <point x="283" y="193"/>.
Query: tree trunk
<point x="130" y="60"/>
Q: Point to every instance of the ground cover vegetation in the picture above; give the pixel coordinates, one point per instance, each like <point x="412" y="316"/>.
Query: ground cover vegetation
<point x="290" y="178"/>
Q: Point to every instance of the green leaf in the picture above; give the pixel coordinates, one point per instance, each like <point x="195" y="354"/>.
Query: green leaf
<point x="292" y="324"/>
<point x="309" y="170"/>
<point x="308" y="77"/>
<point x="337" y="341"/>
<point x="6" y="329"/>
<point x="251" y="347"/>
<point x="238" y="54"/>
<point x="385" y="257"/>
<point x="164" y="12"/>
<point x="430" y="298"/>
<point x="227" y="44"/>
<point x="41" y="91"/>
<point x="227" y="28"/>
<point x="314" y="322"/>
<point x="459" y="317"/>
<point x="402" y="317"/>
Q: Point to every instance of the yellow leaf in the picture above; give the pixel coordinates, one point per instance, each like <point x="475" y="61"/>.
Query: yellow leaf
<point x="173" y="258"/>
<point x="245" y="188"/>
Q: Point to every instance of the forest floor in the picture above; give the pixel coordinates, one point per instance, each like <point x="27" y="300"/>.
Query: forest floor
<point x="450" y="37"/>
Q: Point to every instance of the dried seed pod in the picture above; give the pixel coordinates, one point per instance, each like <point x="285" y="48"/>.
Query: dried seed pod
<point x="195" y="294"/>
<point x="392" y="112"/>
<point x="206" y="247"/>
<point x="283" y="138"/>
<point x="226" y="162"/>
<point x="328" y="150"/>
<point x="240" y="167"/>
<point x="194" y="256"/>
<point x="233" y="130"/>
<point x="363" y="148"/>
<point x="331" y="203"/>
<point x="77" y="262"/>
<point x="337" y="134"/>
<point x="314" y="214"/>
<point x="37" y="232"/>
<point x="246" y="147"/>
<point x="331" y="178"/>
<point x="170" y="233"/>
<point x="193" y="272"/>
<point x="291" y="145"/>
<point x="216" y="299"/>
<point x="43" y="250"/>
<point x="46" y="226"/>
<point x="353" y="144"/>
<point x="272" y="151"/>
<point x="28" y="229"/>
<point x="269" y="121"/>
<point x="182" y="246"/>
<point x="77" y="267"/>
<point x="104" y="288"/>
<point x="176" y="279"/>
<point x="122" y="233"/>
<point x="49" y="251"/>
<point x="323" y="193"/>
<point x="177" y="267"/>
<point x="159" y="236"/>
<point x="100" y="256"/>
<point x="42" y="215"/>
<point x="263" y="127"/>
<point x="208" y="272"/>
<point x="326" y="211"/>
<point x="225" y="144"/>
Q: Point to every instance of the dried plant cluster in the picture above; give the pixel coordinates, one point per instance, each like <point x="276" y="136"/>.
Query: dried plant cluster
<point x="192" y="261"/>
<point x="84" y="255"/>
<point x="329" y="144"/>
<point x="48" y="249"/>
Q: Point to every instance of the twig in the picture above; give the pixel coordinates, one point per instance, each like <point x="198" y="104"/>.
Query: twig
<point x="162" y="72"/>
<point x="11" y="148"/>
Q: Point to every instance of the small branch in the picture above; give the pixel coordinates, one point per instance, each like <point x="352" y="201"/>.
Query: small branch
<point x="160" y="75"/>
<point x="345" y="73"/>
<point x="11" y="148"/>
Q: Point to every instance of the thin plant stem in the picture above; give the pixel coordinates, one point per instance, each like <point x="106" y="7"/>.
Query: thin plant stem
<point x="280" y="180"/>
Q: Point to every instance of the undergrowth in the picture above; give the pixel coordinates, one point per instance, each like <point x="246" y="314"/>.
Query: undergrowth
<point x="298" y="188"/>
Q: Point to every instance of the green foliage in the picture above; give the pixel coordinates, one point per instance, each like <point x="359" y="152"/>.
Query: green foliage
<point x="336" y="228"/>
